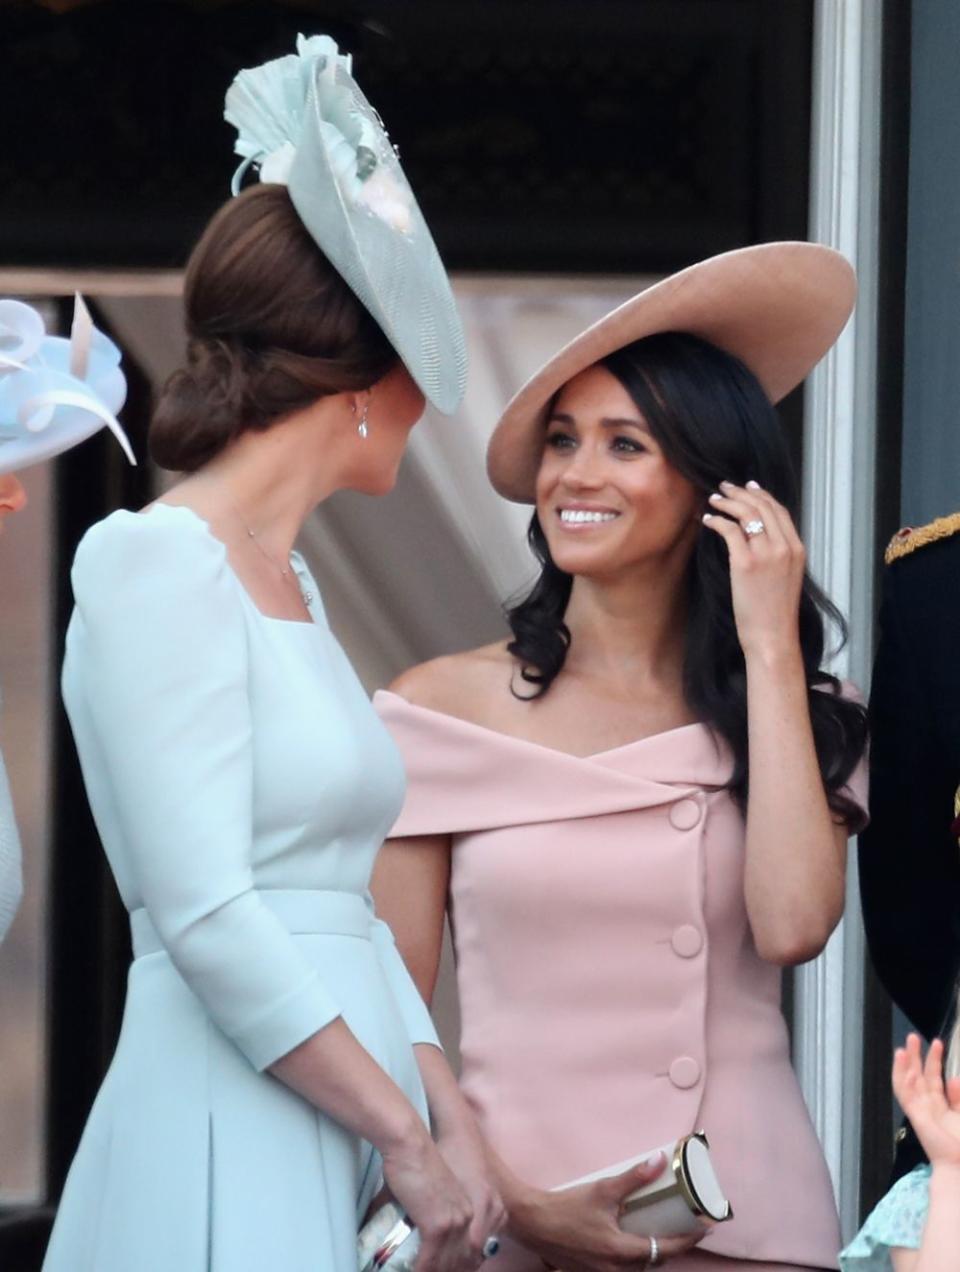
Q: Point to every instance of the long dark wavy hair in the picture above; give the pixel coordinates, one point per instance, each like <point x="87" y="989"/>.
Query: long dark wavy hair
<point x="713" y="422"/>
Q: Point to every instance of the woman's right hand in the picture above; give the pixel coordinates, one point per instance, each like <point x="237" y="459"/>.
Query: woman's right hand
<point x="429" y="1193"/>
<point x="578" y="1229"/>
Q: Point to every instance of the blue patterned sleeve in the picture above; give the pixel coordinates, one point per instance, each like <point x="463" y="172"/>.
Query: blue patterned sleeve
<point x="896" y="1222"/>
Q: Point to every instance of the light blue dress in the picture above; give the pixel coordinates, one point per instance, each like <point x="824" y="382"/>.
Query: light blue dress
<point x="242" y="785"/>
<point x="11" y="877"/>
<point x="896" y="1222"/>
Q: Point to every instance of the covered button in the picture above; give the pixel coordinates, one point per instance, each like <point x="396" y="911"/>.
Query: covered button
<point x="685" y="1072"/>
<point x="687" y="941"/>
<point x="684" y="814"/>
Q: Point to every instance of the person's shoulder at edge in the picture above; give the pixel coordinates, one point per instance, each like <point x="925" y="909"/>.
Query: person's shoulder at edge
<point x="460" y="685"/>
<point x="908" y="541"/>
<point x="158" y="551"/>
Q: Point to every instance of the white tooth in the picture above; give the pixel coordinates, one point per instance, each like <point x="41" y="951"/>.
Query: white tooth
<point x="579" y="516"/>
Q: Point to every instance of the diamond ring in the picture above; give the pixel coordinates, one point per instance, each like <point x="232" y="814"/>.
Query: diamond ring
<point x="753" y="528"/>
<point x="654" y="1258"/>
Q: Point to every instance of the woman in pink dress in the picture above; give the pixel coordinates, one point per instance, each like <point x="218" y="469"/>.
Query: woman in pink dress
<point x="636" y="810"/>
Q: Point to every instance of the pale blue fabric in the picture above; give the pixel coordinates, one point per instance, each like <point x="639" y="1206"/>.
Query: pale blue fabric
<point x="55" y="393"/>
<point x="242" y="785"/>
<point x="303" y="119"/>
<point x="896" y="1222"/>
<point x="11" y="878"/>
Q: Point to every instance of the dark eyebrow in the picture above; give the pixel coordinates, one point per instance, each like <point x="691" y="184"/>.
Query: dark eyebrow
<point x="559" y="417"/>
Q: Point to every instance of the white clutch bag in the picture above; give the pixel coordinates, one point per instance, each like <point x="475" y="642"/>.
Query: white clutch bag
<point x="685" y="1196"/>
<point x="387" y="1241"/>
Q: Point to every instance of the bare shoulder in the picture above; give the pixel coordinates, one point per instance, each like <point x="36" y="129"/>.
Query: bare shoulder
<point x="459" y="684"/>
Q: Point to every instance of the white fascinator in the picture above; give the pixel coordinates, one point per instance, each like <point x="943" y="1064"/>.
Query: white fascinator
<point x="55" y="392"/>
<point x="304" y="122"/>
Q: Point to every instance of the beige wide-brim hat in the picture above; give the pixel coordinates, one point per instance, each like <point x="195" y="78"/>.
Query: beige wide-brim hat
<point x="778" y="307"/>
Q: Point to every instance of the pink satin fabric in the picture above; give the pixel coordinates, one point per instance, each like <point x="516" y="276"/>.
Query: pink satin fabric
<point x="611" y="994"/>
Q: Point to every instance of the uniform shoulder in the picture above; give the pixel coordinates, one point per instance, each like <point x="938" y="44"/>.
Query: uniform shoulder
<point x="908" y="540"/>
<point x="456" y="684"/>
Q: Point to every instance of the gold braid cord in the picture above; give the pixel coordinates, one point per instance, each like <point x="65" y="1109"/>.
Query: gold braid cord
<point x="908" y="540"/>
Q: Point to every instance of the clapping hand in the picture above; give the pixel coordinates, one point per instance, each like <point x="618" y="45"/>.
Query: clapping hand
<point x="932" y="1107"/>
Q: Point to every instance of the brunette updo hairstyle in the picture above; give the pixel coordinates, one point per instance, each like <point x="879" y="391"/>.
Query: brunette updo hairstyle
<point x="272" y="327"/>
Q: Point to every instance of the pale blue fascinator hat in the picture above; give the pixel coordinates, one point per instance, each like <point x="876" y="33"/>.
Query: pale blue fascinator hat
<point x="55" y="392"/>
<point x="304" y="121"/>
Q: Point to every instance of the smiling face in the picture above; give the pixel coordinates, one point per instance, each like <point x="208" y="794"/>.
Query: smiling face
<point x="13" y="497"/>
<point x="607" y="498"/>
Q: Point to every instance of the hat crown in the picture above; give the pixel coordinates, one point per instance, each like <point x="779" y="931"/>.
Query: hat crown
<point x="304" y="120"/>
<point x="55" y="392"/>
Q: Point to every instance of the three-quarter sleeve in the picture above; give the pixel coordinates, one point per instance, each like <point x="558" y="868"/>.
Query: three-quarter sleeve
<point x="415" y="1013"/>
<point x="156" y="685"/>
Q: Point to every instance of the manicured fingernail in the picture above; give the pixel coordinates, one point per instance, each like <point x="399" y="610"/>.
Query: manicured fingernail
<point x="707" y="516"/>
<point x="725" y="485"/>
<point x="715" y="497"/>
<point x="653" y="1160"/>
<point x="753" y="485"/>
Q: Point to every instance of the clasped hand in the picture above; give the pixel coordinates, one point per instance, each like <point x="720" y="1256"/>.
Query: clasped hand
<point x="578" y="1229"/>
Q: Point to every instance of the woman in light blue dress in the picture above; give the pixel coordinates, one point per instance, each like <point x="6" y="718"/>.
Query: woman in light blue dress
<point x="54" y="393"/>
<point x="11" y="878"/>
<point x="275" y="1061"/>
<point x="12" y="499"/>
<point x="916" y="1226"/>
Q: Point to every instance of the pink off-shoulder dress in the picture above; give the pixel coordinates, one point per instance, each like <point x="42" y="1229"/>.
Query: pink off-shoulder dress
<point x="612" y="997"/>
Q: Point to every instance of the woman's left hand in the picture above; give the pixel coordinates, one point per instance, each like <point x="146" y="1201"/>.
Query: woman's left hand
<point x="767" y="563"/>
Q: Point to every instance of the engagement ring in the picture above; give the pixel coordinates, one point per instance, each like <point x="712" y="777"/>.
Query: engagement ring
<point x="753" y="528"/>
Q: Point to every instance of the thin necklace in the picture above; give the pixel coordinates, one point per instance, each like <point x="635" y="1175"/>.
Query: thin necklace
<point x="306" y="597"/>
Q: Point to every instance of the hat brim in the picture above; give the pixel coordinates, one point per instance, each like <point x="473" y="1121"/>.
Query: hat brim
<point x="396" y="273"/>
<point x="778" y="307"/>
<point x="79" y="408"/>
<point x="28" y="450"/>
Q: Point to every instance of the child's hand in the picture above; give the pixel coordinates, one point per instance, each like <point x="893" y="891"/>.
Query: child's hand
<point x="933" y="1111"/>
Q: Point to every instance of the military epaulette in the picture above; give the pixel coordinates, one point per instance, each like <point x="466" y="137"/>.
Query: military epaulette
<point x="908" y="540"/>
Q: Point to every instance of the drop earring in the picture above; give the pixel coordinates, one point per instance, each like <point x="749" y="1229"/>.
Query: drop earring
<point x="362" y="428"/>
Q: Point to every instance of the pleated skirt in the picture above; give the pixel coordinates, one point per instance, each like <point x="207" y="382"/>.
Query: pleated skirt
<point x="192" y="1161"/>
